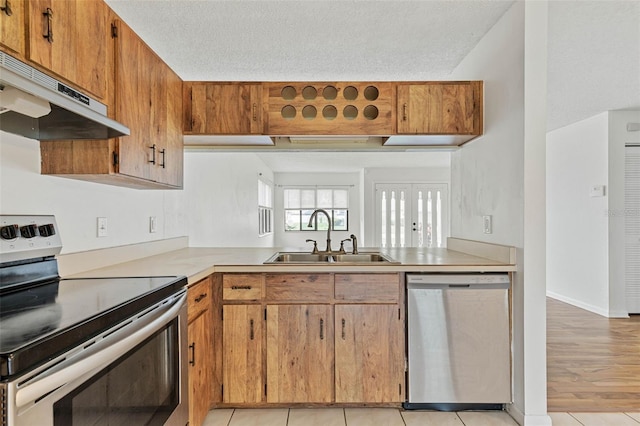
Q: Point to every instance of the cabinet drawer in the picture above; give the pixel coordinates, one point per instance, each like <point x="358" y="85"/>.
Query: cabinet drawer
<point x="198" y="298"/>
<point x="299" y="287"/>
<point x="242" y="287"/>
<point x="378" y="288"/>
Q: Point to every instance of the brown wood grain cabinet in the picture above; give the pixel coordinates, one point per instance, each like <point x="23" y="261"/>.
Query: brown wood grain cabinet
<point x="242" y="372"/>
<point x="223" y="108"/>
<point x="313" y="338"/>
<point x="69" y="38"/>
<point x="147" y="99"/>
<point x="200" y="350"/>
<point x="440" y="108"/>
<point x="13" y="26"/>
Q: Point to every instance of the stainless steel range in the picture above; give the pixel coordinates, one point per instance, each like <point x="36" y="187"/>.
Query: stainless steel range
<point x="103" y="351"/>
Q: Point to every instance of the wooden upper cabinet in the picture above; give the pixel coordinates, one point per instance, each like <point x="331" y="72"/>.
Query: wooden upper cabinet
<point x="13" y="25"/>
<point x="69" y="38"/>
<point x="330" y="108"/>
<point x="440" y="108"/>
<point x="223" y="108"/>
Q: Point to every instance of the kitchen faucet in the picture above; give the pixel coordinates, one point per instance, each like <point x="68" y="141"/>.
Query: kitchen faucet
<point x="313" y="216"/>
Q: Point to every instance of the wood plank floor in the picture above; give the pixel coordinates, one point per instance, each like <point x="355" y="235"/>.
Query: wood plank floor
<point x="593" y="362"/>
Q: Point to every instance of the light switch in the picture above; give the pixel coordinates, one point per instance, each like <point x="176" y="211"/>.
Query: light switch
<point x="596" y="191"/>
<point x="152" y="224"/>
<point x="487" y="224"/>
<point x="103" y="230"/>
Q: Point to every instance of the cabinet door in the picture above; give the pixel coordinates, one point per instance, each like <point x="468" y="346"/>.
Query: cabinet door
<point x="76" y="44"/>
<point x="199" y="335"/>
<point x="172" y="161"/>
<point x="242" y="354"/>
<point x="134" y="104"/>
<point x="227" y="108"/>
<point x="369" y="354"/>
<point x="448" y="108"/>
<point x="13" y="25"/>
<point x="299" y="353"/>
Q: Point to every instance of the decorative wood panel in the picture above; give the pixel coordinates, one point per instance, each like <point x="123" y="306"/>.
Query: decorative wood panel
<point x="368" y="288"/>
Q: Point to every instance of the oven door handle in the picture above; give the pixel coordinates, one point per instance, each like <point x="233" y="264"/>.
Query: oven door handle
<point x="100" y="359"/>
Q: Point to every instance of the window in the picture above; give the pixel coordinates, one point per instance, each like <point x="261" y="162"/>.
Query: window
<point x="265" y="208"/>
<point x="299" y="204"/>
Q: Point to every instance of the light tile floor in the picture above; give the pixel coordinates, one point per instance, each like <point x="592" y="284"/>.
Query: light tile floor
<point x="395" y="417"/>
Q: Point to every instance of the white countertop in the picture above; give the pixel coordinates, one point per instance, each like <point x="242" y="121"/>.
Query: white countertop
<point x="197" y="263"/>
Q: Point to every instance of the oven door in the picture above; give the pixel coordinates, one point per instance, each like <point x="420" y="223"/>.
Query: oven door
<point x="134" y="373"/>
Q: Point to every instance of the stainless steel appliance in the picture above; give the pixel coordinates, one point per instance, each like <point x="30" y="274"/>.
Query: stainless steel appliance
<point x="86" y="351"/>
<point x="458" y="341"/>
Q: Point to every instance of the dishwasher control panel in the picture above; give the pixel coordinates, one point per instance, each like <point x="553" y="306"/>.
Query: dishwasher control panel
<point x="466" y="279"/>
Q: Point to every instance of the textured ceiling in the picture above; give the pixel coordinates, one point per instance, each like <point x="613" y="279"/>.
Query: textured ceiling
<point x="593" y="63"/>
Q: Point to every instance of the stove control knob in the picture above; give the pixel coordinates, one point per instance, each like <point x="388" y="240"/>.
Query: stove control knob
<point x="47" y="230"/>
<point x="28" y="231"/>
<point x="9" y="232"/>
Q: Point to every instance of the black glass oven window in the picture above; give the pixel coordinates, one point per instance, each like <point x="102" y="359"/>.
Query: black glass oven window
<point x="140" y="388"/>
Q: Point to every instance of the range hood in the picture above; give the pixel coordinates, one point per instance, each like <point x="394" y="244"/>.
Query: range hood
<point x="36" y="106"/>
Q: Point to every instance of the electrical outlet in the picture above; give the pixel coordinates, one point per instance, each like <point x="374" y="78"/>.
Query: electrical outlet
<point x="103" y="230"/>
<point x="487" y="224"/>
<point x="152" y="224"/>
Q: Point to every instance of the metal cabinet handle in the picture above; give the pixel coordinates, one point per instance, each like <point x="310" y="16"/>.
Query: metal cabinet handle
<point x="7" y="8"/>
<point x="343" y="328"/>
<point x="240" y="287"/>
<point x="153" y="154"/>
<point x="49" y="15"/>
<point x="404" y="112"/>
<point x="255" y="112"/>
<point x="251" y="333"/>
<point x="192" y="361"/>
<point x="163" y="152"/>
<point x="321" y="329"/>
<point x="202" y="296"/>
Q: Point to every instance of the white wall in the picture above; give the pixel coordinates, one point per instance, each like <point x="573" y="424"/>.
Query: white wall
<point x="502" y="174"/>
<point x="577" y="224"/>
<point x="221" y="192"/>
<point x="373" y="176"/>
<point x="297" y="239"/>
<point x="77" y="204"/>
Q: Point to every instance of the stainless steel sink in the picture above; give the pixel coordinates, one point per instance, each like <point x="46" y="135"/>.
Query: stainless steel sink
<point x="321" y="258"/>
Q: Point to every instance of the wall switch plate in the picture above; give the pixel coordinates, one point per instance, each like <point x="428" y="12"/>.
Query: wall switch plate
<point x="596" y="191"/>
<point x="103" y="230"/>
<point x="153" y="224"/>
<point x="487" y="224"/>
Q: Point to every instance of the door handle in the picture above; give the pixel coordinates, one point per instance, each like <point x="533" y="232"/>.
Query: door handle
<point x="48" y="13"/>
<point x="192" y="347"/>
<point x="153" y="154"/>
<point x="7" y="8"/>
<point x="321" y="329"/>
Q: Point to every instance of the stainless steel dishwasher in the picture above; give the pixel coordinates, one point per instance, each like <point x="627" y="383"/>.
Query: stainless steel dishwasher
<point x="458" y="341"/>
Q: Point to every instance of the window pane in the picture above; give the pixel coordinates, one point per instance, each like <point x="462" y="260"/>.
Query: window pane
<point x="308" y="198"/>
<point x="340" y="220"/>
<point x="340" y="198"/>
<point x="306" y="215"/>
<point x="325" y="200"/>
<point x="323" y="223"/>
<point x="292" y="220"/>
<point x="291" y="198"/>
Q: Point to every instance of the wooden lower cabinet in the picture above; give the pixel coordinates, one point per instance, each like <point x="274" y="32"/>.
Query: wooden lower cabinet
<point x="199" y="332"/>
<point x="299" y="353"/>
<point x="369" y="348"/>
<point x="242" y="337"/>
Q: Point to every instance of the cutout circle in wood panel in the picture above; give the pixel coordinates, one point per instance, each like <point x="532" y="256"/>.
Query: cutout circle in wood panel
<point x="354" y="108"/>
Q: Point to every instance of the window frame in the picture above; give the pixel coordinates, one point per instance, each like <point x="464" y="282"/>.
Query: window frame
<point x="265" y="207"/>
<point x="307" y="211"/>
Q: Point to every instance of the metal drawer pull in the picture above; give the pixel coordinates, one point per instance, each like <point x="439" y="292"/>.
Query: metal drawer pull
<point x="343" y="328"/>
<point x="192" y="361"/>
<point x="240" y="287"/>
<point x="7" y="8"/>
<point x="251" y="334"/>
<point x="202" y="296"/>
<point x="255" y="110"/>
<point x="321" y="329"/>
<point x="163" y="152"/>
<point x="49" y="34"/>
<point x="404" y="112"/>
<point x="153" y="154"/>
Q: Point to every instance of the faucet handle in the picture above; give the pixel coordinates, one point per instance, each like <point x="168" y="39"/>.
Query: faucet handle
<point x="315" y="246"/>
<point x="342" y="246"/>
<point x="354" y="242"/>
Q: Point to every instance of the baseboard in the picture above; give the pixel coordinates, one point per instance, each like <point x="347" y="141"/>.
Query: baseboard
<point x="527" y="420"/>
<point x="587" y="307"/>
<point x="76" y="263"/>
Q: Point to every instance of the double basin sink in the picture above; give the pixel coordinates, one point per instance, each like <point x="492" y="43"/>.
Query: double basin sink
<point x="325" y="258"/>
